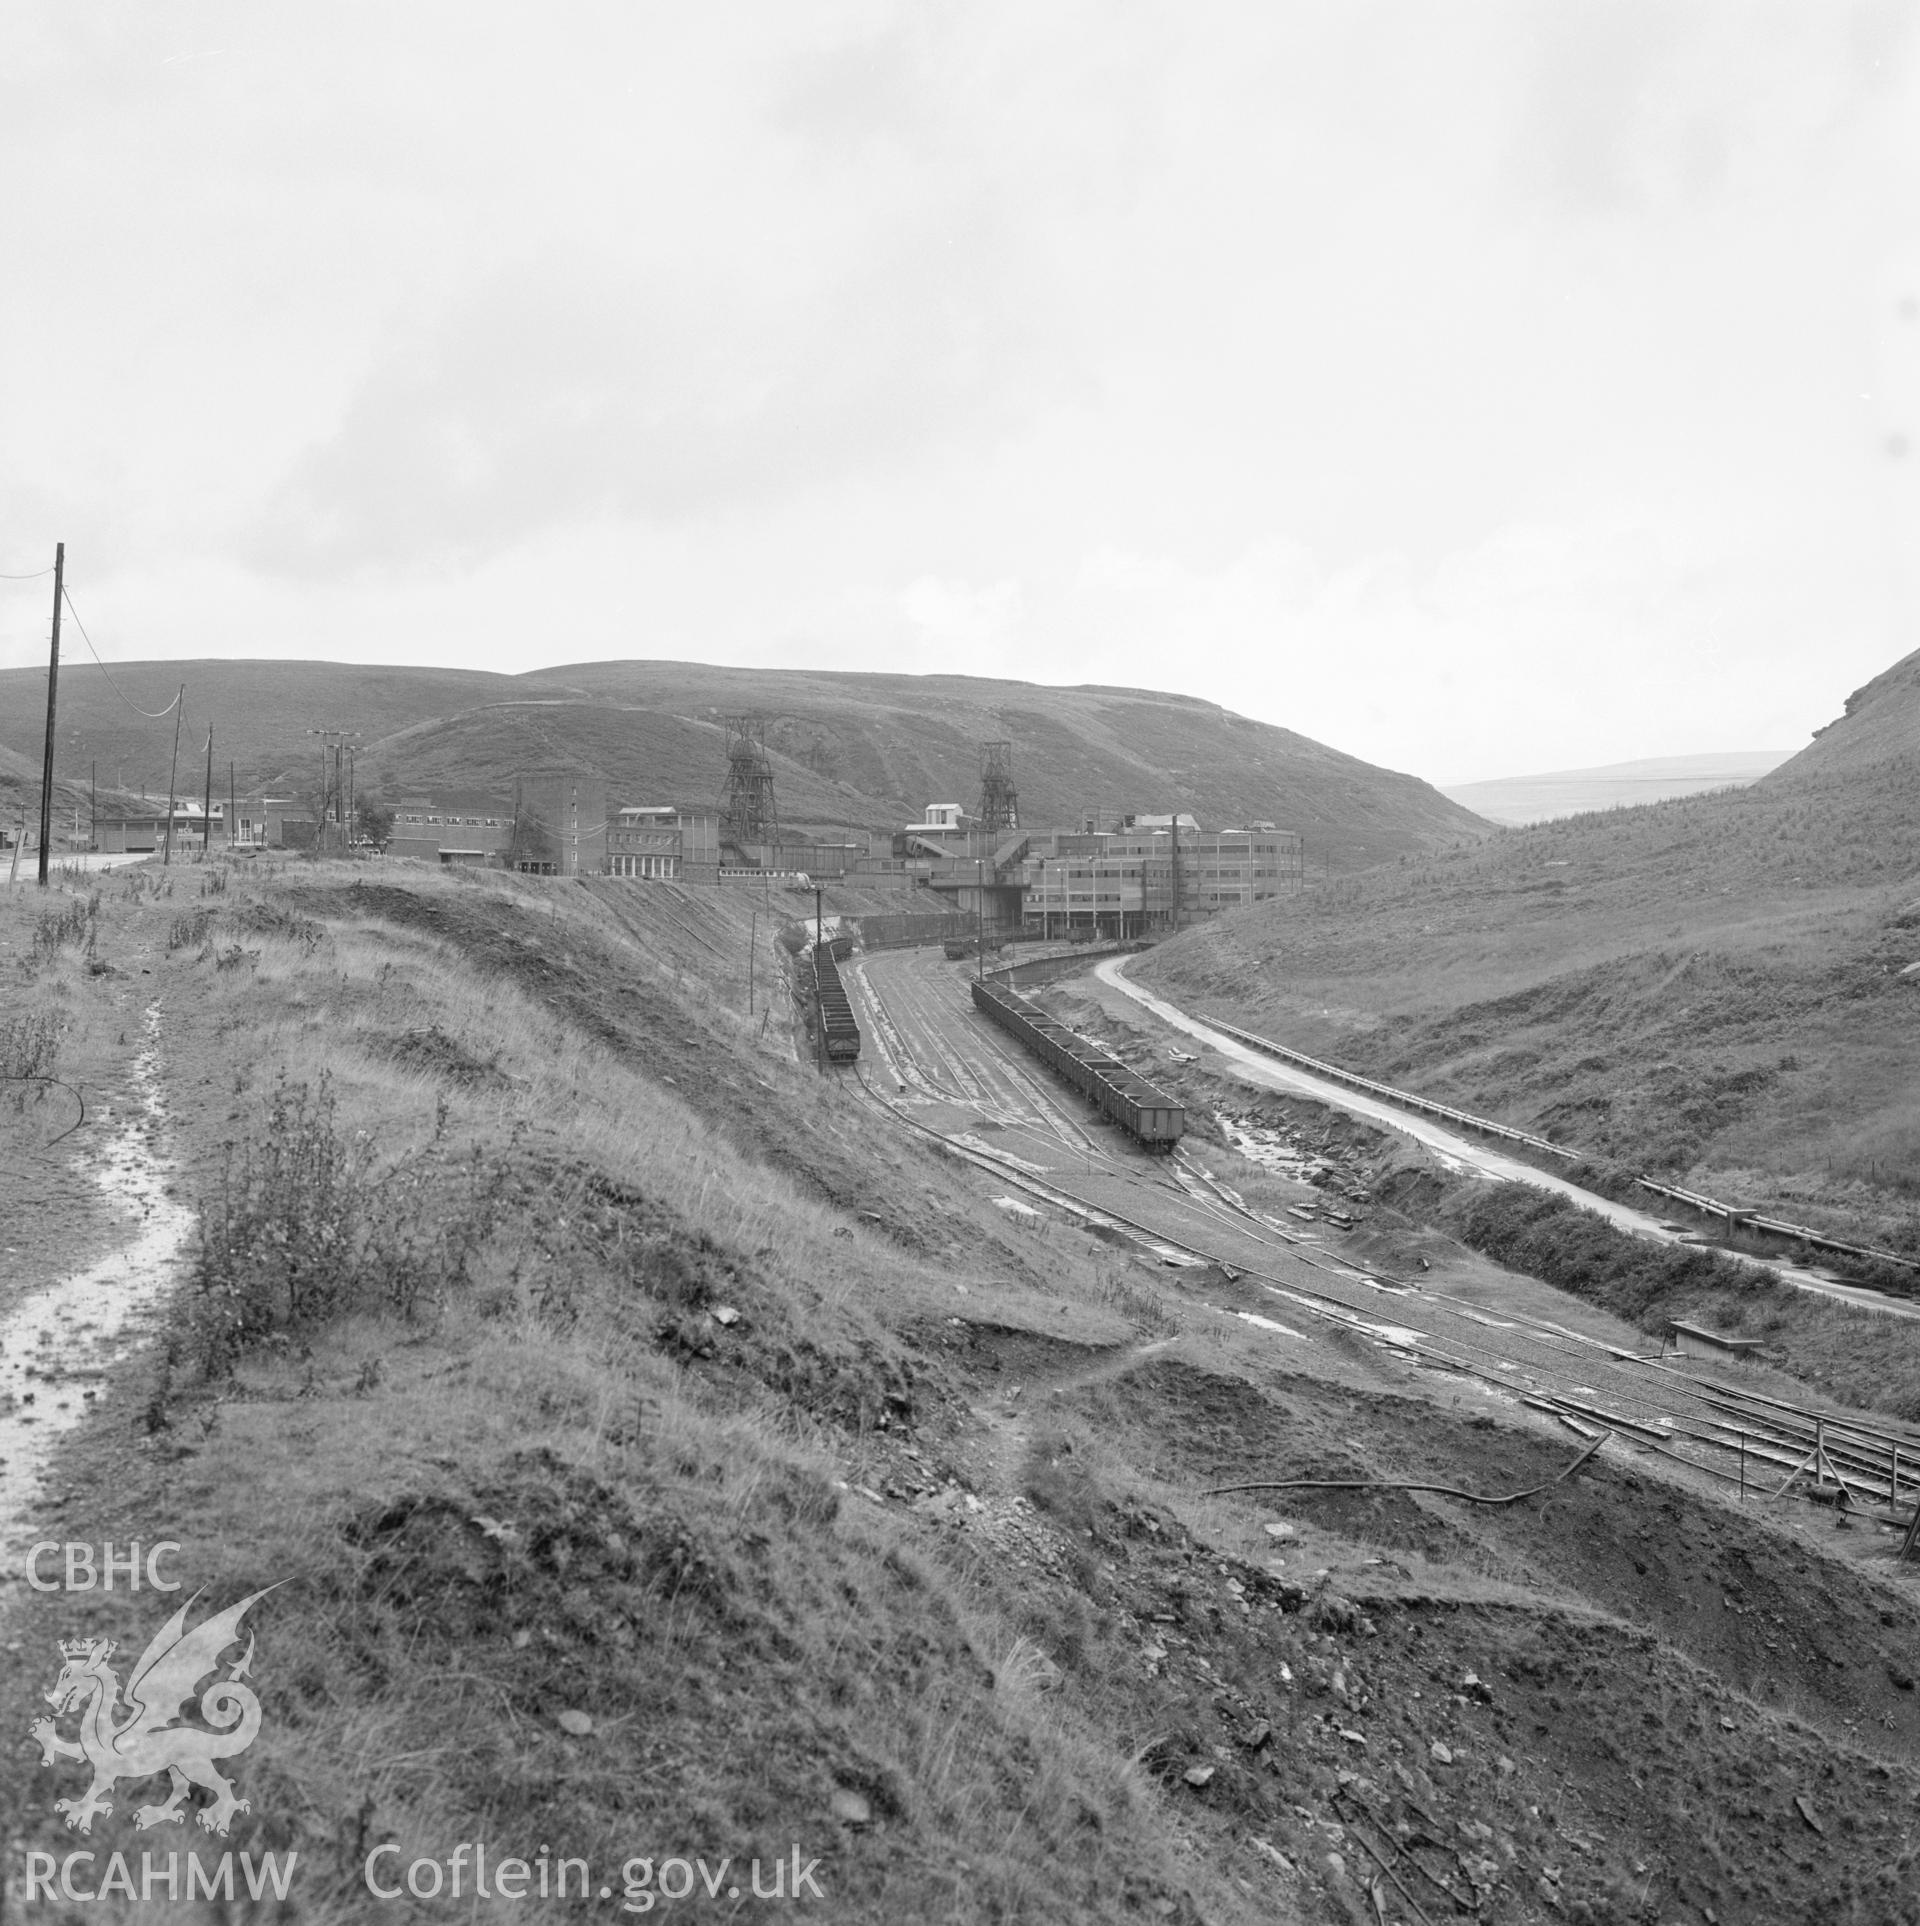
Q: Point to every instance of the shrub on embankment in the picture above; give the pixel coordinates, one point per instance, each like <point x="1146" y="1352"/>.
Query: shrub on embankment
<point x="310" y="1223"/>
<point x="1869" y="1358"/>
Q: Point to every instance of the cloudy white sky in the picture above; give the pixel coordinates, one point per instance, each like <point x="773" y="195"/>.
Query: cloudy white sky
<point x="1481" y="388"/>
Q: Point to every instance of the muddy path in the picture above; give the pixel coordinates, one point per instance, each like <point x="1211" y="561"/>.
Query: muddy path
<point x="60" y="1338"/>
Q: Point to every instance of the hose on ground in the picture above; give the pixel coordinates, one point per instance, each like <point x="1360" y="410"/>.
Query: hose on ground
<point x="1445" y="1491"/>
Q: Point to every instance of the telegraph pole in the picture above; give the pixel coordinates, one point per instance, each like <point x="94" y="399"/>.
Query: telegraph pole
<point x="173" y="770"/>
<point x="206" y="807"/>
<point x="332" y="779"/>
<point x="93" y="825"/>
<point x="53" y="686"/>
<point x="233" y="806"/>
<point x="819" y="1008"/>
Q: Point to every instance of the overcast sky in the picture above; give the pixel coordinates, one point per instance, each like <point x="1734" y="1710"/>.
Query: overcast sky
<point x="1479" y="388"/>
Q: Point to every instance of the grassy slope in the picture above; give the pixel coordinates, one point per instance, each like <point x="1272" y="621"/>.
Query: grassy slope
<point x="1711" y="985"/>
<point x="560" y="1484"/>
<point x="867" y="750"/>
<point x="689" y="1566"/>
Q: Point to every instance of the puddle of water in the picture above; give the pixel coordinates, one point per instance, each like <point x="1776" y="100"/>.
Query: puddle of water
<point x="1266" y="1323"/>
<point x="1270" y="1149"/>
<point x="1396" y="1336"/>
<point x="974" y="1142"/>
<point x="56" y="1343"/>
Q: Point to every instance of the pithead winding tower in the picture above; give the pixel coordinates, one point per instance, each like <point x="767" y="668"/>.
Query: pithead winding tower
<point x="749" y="816"/>
<point x="999" y="800"/>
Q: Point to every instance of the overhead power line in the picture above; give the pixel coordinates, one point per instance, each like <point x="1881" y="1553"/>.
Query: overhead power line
<point x="32" y="576"/>
<point x="152" y="715"/>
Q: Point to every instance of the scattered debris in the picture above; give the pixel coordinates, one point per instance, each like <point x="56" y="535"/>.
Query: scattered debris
<point x="850" y="1808"/>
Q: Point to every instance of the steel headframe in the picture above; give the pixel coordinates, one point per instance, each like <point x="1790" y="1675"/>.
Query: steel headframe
<point x="750" y="815"/>
<point x="999" y="800"/>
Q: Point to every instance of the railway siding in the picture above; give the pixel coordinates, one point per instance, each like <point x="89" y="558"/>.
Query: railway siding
<point x="1141" y="1108"/>
<point x="1733" y="1215"/>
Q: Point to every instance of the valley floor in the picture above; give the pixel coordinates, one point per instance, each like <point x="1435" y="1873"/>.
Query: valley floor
<point x="703" y="1459"/>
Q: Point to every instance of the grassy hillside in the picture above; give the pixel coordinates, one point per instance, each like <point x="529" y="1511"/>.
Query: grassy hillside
<point x="1880" y="724"/>
<point x="866" y="751"/>
<point x="1716" y="985"/>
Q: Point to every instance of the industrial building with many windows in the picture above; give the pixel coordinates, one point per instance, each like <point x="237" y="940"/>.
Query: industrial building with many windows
<point x="1153" y="873"/>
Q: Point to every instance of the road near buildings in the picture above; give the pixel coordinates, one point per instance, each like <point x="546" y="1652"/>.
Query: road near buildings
<point x="940" y="1067"/>
<point x="1467" y="1153"/>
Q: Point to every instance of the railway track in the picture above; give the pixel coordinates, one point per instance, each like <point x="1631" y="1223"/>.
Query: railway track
<point x="1734" y="1216"/>
<point x="1743" y="1438"/>
<point x="1140" y="1108"/>
<point x="1250" y="1065"/>
<point x="995" y="1081"/>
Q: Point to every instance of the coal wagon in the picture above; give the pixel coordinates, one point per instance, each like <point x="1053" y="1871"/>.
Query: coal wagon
<point x="840" y="1033"/>
<point x="1143" y="1110"/>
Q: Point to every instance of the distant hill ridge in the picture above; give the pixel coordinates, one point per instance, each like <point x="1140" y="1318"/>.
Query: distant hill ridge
<point x="1569" y="792"/>
<point x="856" y="750"/>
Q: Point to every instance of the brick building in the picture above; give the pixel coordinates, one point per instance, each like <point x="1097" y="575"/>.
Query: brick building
<point x="559" y="825"/>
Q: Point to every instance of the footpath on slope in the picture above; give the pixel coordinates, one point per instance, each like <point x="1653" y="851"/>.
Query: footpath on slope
<point x="1456" y="1151"/>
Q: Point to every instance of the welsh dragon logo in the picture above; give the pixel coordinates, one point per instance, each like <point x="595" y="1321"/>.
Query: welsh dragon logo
<point x="147" y="1737"/>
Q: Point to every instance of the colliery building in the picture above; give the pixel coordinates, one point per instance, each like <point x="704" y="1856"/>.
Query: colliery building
<point x="1150" y="873"/>
<point x="1154" y="872"/>
<point x="261" y="822"/>
<point x="1141" y="874"/>
<point x="452" y="827"/>
<point x="559" y="825"/>
<point x="657" y="841"/>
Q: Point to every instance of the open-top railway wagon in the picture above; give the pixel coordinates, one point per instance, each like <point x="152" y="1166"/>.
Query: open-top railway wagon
<point x="1140" y="1108"/>
<point x="840" y="1032"/>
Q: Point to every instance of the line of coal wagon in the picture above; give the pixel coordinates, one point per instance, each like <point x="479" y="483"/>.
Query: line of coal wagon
<point x="840" y="1033"/>
<point x="1140" y="1108"/>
